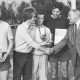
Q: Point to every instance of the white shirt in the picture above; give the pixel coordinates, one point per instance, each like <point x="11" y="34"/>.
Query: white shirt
<point x="36" y="37"/>
<point x="5" y="35"/>
<point x="23" y="41"/>
<point x="78" y="23"/>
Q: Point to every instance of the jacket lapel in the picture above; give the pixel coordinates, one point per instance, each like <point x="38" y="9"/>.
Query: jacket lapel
<point x="71" y="45"/>
<point x="72" y="32"/>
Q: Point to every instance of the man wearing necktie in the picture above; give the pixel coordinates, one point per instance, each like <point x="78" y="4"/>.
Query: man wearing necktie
<point x="73" y="41"/>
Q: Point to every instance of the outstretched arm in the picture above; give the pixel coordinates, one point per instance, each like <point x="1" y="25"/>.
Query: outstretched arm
<point x="61" y="44"/>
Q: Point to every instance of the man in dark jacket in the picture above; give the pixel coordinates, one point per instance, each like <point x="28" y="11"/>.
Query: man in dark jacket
<point x="72" y="38"/>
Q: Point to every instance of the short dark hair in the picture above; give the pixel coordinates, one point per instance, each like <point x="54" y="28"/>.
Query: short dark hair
<point x="58" y="5"/>
<point x="27" y="13"/>
<point x="40" y="13"/>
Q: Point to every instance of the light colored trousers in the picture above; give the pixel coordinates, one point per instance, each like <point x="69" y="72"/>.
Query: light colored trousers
<point x="40" y="67"/>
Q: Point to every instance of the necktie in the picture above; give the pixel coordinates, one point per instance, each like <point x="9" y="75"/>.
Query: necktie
<point x="75" y="29"/>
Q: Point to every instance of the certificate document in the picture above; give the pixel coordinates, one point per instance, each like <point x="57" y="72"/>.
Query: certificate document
<point x="59" y="35"/>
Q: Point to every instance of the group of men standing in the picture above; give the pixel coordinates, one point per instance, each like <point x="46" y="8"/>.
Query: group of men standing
<point x="35" y="40"/>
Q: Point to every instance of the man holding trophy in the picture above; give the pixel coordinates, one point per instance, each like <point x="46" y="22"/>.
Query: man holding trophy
<point x="42" y="36"/>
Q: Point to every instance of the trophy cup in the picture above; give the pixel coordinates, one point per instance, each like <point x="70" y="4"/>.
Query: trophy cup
<point x="42" y="33"/>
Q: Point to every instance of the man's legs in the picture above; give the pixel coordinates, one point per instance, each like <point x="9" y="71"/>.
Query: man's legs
<point x="27" y="69"/>
<point x="19" y="60"/>
<point x="54" y="67"/>
<point x="35" y="67"/>
<point x="64" y="70"/>
<point x="64" y="58"/>
<point x="43" y="67"/>
<point x="54" y="70"/>
<point x="4" y="75"/>
<point x="77" y="68"/>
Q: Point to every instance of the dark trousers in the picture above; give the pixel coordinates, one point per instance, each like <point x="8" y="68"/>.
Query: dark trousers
<point x="22" y="65"/>
<point x="77" y="68"/>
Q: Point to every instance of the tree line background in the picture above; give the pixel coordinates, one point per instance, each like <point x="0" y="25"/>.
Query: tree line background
<point x="13" y="17"/>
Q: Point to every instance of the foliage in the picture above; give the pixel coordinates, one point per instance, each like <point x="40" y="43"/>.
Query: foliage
<point x="9" y="15"/>
<point x="3" y="10"/>
<point x="78" y="4"/>
<point x="46" y="6"/>
<point x="20" y="10"/>
<point x="43" y="5"/>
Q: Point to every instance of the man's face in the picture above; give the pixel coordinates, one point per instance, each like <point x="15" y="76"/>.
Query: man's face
<point x="40" y="19"/>
<point x="72" y="17"/>
<point x="56" y="12"/>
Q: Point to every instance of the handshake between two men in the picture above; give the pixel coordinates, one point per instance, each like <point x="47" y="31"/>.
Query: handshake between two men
<point x="52" y="50"/>
<point x="45" y="48"/>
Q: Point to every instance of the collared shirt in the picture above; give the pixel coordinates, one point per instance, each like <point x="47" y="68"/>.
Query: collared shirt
<point x="76" y="26"/>
<point x="23" y="41"/>
<point x="78" y="23"/>
<point x="54" y="17"/>
<point x="5" y="35"/>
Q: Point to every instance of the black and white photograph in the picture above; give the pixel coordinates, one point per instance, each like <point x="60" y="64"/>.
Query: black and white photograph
<point x="39" y="39"/>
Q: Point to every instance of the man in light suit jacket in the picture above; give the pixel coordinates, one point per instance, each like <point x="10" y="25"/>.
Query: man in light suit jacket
<point x="72" y="38"/>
